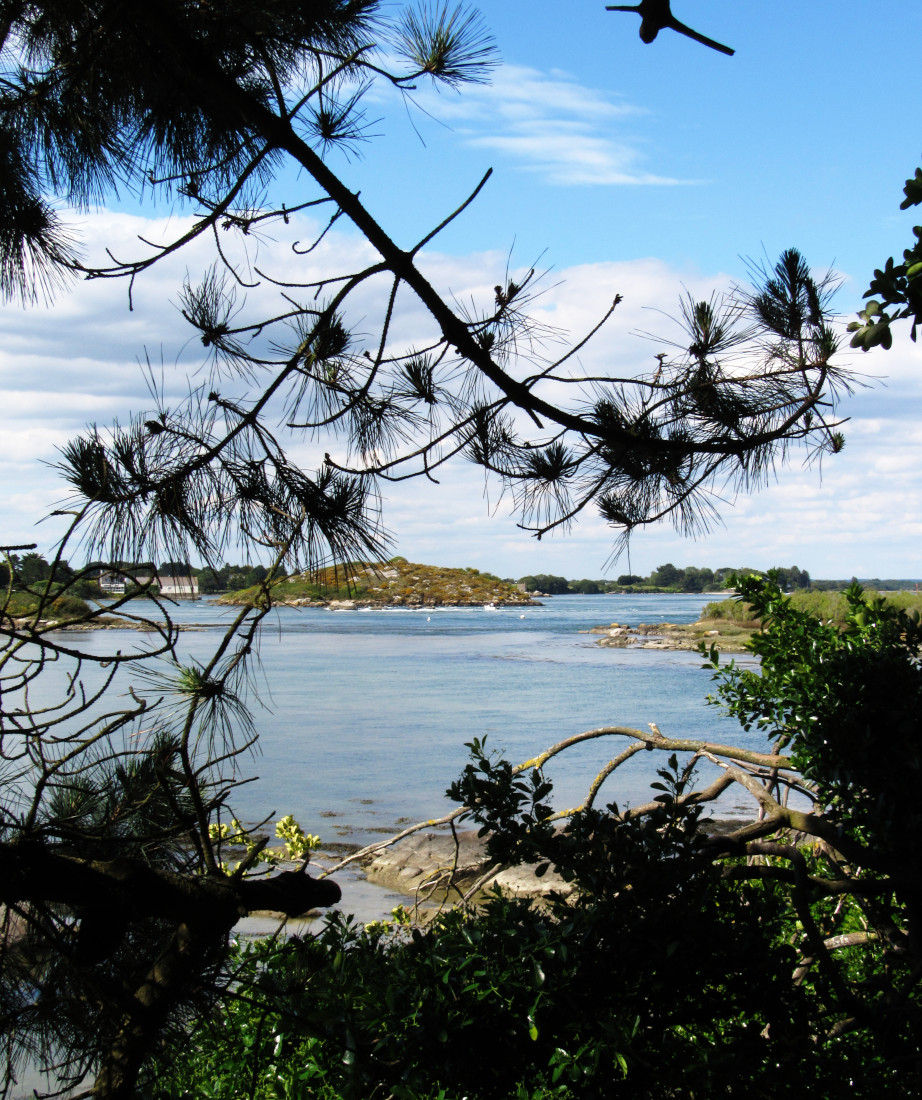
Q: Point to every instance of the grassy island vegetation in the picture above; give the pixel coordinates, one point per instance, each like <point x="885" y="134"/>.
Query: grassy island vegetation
<point x="395" y="583"/>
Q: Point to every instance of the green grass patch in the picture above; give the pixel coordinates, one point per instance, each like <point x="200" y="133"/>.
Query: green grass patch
<point x="829" y="606"/>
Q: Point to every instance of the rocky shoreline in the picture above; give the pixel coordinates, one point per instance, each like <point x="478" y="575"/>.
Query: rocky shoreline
<point x="440" y="862"/>
<point x="728" y="637"/>
<point x="427" y="862"/>
<point x="103" y="623"/>
<point x="415" y="602"/>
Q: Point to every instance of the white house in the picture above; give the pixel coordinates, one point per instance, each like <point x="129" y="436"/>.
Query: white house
<point x="113" y="584"/>
<point x="178" y="587"/>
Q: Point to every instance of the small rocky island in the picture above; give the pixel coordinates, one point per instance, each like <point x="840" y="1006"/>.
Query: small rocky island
<point x="396" y="583"/>
<point x="727" y="636"/>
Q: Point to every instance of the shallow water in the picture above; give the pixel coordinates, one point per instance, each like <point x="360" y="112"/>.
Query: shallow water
<point x="365" y="714"/>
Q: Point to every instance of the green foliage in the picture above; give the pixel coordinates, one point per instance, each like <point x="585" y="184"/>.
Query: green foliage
<point x="514" y="1000"/>
<point x="235" y="578"/>
<point x="667" y="576"/>
<point x="585" y="587"/>
<point x="36" y="587"/>
<point x="691" y="578"/>
<point x="297" y="845"/>
<point x="896" y="290"/>
<point x="658" y="978"/>
<point x="68" y="607"/>
<point x="20" y="605"/>
<point x="31" y="571"/>
<point x="545" y="582"/>
<point x="903" y="601"/>
<point x="847" y="702"/>
<point x="452" y="45"/>
<point x="176" y="569"/>
<point x="730" y="610"/>
<point x="209" y="582"/>
<point x="255" y="576"/>
<point x="827" y="605"/>
<point x="697" y="580"/>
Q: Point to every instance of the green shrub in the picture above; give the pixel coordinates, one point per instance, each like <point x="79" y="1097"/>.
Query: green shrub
<point x="69" y="607"/>
<point x="729" y="610"/>
<point x="23" y="604"/>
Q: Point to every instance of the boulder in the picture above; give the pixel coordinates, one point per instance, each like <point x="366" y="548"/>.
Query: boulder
<point x="426" y="860"/>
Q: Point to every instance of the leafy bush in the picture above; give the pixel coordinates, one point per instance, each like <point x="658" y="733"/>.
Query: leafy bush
<point x="846" y="698"/>
<point x="69" y="607"/>
<point x="511" y="1001"/>
<point x="734" y="611"/>
<point x="20" y="605"/>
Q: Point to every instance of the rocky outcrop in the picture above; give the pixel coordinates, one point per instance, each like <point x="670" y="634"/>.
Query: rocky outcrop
<point x="426" y="861"/>
<point x="728" y="637"/>
<point x="105" y="622"/>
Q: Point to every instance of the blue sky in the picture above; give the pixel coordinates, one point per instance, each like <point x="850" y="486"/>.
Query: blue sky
<point x="626" y="168"/>
<point x="605" y="148"/>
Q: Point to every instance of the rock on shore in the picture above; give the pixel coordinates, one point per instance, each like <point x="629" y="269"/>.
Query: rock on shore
<point x="727" y="636"/>
<point x="419" y="862"/>
<point x="100" y="622"/>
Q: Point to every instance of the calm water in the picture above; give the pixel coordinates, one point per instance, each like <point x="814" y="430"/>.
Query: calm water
<point x="367" y="712"/>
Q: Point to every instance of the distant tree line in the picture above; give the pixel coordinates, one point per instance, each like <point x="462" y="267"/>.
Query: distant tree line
<point x="670" y="578"/>
<point x="32" y="569"/>
<point x="229" y="578"/>
<point x="23" y="573"/>
<point x="887" y="584"/>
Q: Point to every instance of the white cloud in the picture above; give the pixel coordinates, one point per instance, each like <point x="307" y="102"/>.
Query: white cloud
<point x="517" y="92"/>
<point x="551" y="125"/>
<point x="860" y="513"/>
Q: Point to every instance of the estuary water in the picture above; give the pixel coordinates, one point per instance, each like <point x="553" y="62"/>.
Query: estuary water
<point x="364" y="714"/>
